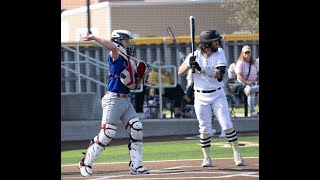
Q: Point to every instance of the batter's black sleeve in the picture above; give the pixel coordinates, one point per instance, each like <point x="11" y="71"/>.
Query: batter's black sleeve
<point x="222" y="72"/>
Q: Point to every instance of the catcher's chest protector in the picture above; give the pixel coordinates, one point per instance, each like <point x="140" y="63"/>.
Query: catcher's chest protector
<point x="128" y="76"/>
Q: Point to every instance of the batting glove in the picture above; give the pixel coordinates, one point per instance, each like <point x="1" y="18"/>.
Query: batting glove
<point x="193" y="63"/>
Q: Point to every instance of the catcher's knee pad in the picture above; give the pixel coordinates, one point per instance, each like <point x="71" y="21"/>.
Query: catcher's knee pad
<point x="135" y="130"/>
<point x="107" y="133"/>
<point x="135" y="142"/>
<point x="231" y="135"/>
<point x="98" y="143"/>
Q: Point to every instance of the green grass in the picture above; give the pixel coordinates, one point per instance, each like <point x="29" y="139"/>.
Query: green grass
<point x="172" y="150"/>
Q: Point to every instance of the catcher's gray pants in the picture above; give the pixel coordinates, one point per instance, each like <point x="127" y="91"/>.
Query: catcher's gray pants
<point x="117" y="108"/>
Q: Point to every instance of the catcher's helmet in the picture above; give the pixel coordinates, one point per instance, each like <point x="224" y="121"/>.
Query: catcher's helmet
<point x="209" y="35"/>
<point x="118" y="35"/>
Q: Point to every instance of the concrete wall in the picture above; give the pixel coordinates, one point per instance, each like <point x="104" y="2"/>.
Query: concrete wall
<point x="85" y="130"/>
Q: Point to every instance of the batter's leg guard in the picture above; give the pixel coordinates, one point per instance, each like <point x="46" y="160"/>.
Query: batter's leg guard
<point x="134" y="127"/>
<point x="96" y="146"/>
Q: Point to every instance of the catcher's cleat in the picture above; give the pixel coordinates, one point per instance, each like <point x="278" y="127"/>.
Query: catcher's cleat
<point x="207" y="162"/>
<point x="85" y="170"/>
<point x="138" y="170"/>
<point x="238" y="159"/>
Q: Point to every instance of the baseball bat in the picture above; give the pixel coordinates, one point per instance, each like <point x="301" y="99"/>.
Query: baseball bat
<point x="88" y="16"/>
<point x="173" y="38"/>
<point x="192" y="31"/>
<point x="181" y="54"/>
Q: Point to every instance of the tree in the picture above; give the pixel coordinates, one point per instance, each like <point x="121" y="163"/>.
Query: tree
<point x="246" y="14"/>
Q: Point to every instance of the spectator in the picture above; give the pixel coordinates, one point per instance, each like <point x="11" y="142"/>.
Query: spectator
<point x="257" y="93"/>
<point x="231" y="73"/>
<point x="233" y="86"/>
<point x="247" y="71"/>
<point x="232" y="77"/>
<point x="176" y="94"/>
<point x="257" y="61"/>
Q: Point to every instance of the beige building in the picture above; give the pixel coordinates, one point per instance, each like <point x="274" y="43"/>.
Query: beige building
<point x="146" y="18"/>
<point x="72" y="4"/>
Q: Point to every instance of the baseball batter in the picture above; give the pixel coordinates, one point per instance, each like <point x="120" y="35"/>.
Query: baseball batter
<point x="210" y="62"/>
<point x="125" y="74"/>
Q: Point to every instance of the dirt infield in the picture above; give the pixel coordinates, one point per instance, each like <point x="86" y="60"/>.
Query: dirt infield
<point x="223" y="168"/>
<point x="182" y="169"/>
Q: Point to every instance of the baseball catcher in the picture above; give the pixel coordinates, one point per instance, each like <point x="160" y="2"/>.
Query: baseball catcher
<point x="125" y="74"/>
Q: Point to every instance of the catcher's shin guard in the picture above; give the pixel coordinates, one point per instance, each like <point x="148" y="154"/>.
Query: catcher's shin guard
<point x="135" y="143"/>
<point x="85" y="170"/>
<point x="98" y="144"/>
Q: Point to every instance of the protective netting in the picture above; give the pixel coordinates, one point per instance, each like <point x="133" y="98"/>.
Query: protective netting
<point x="84" y="72"/>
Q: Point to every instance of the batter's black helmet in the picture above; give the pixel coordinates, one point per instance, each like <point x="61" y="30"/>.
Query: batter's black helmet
<point x="209" y="35"/>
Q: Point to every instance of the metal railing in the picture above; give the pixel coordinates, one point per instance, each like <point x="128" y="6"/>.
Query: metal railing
<point x="75" y="69"/>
